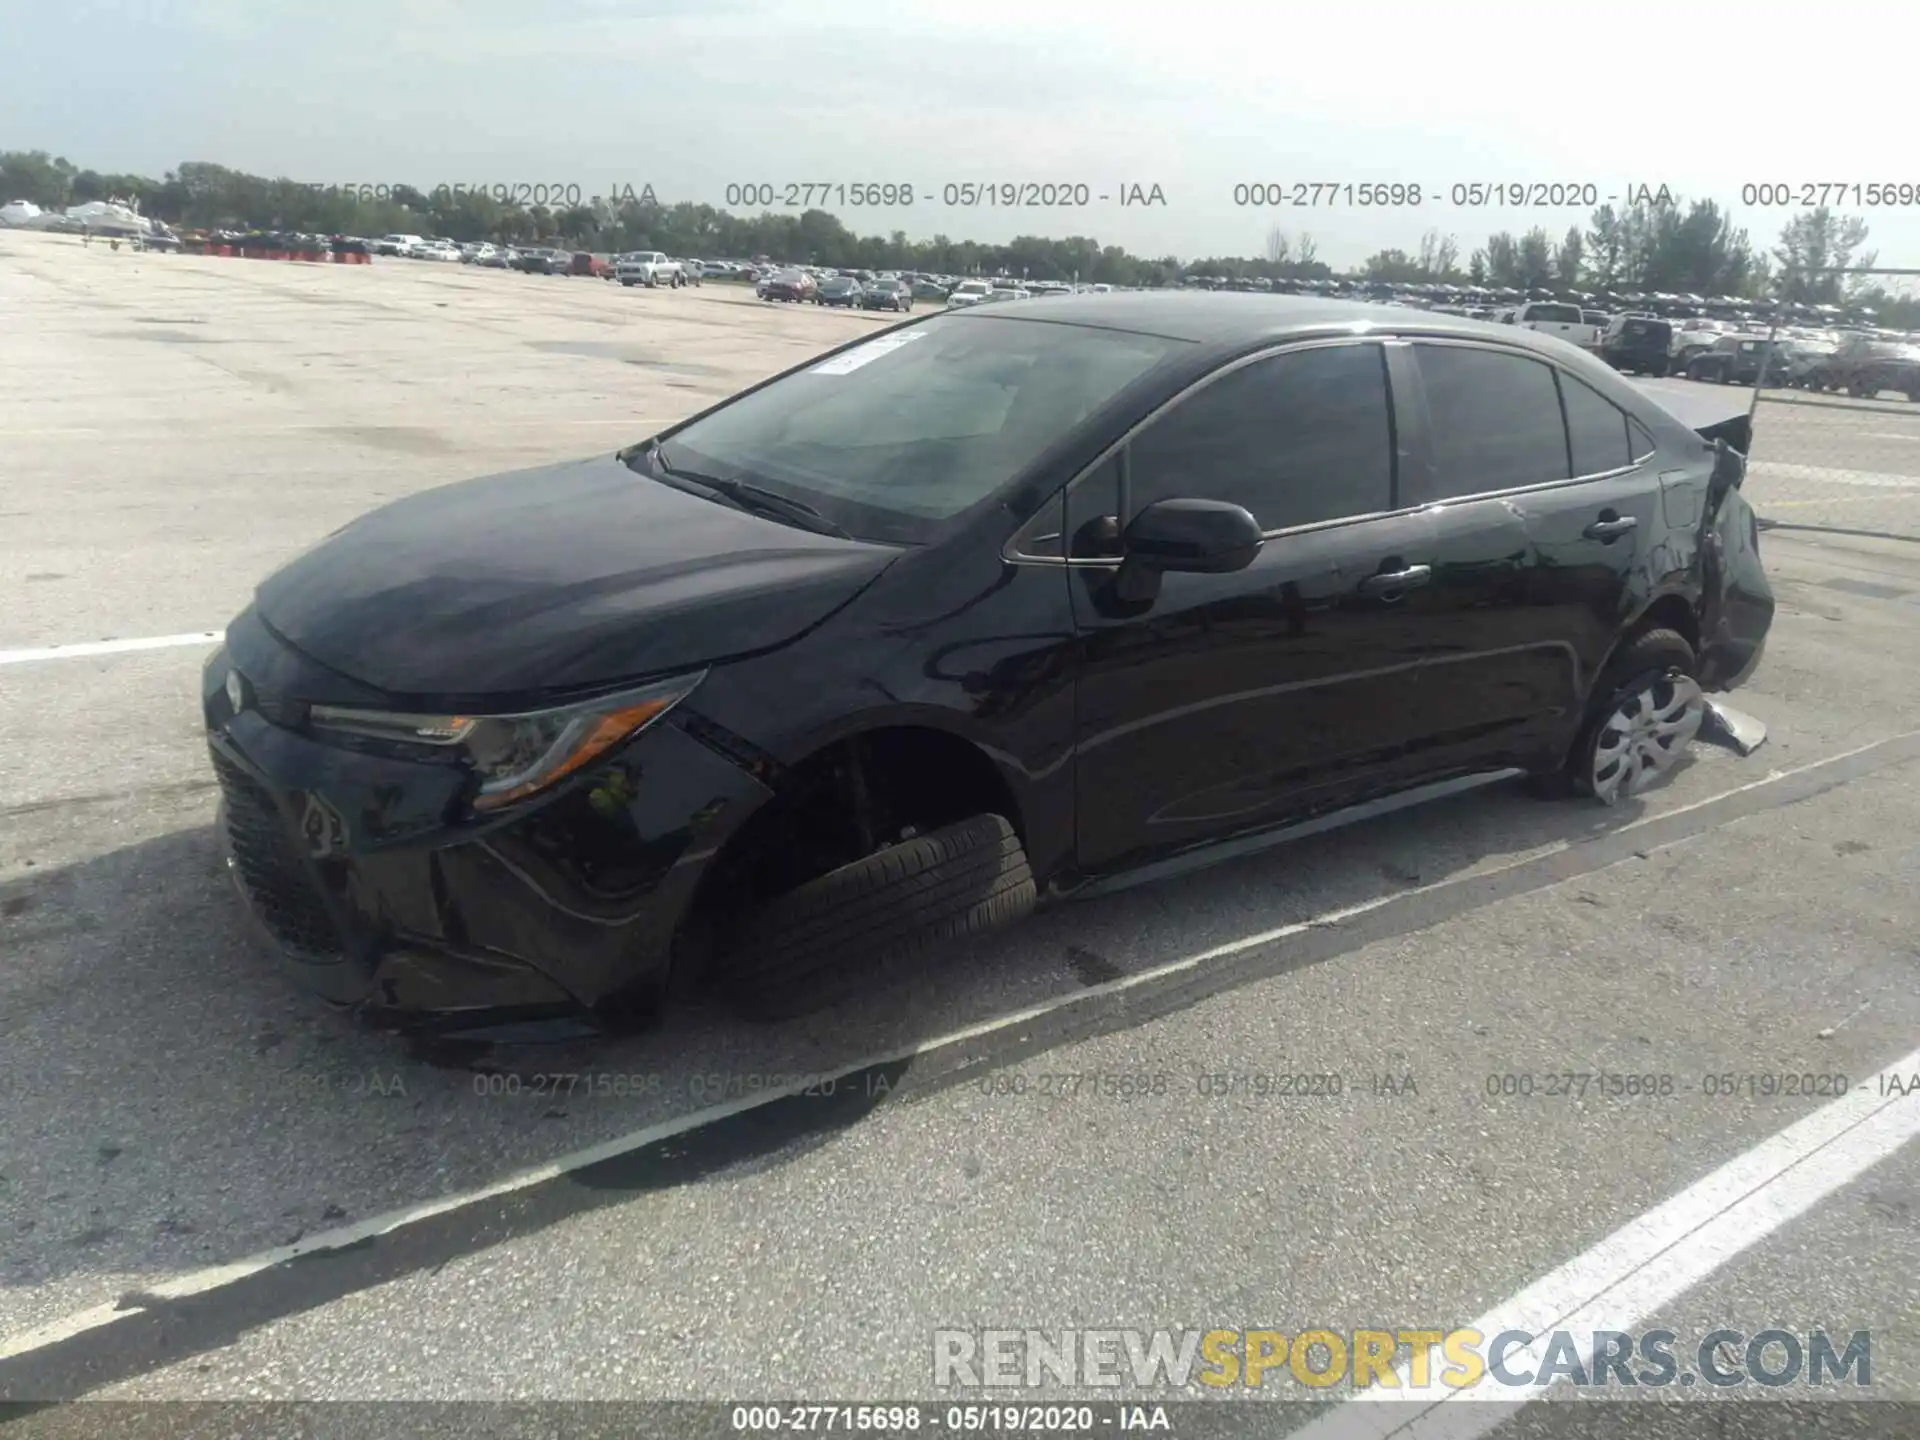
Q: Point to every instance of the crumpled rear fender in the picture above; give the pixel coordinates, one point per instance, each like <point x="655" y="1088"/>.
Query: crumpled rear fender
<point x="1737" y="603"/>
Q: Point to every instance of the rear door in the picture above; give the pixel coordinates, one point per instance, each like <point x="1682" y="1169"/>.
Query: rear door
<point x="1486" y="435"/>
<point x="1589" y="517"/>
<point x="1231" y="702"/>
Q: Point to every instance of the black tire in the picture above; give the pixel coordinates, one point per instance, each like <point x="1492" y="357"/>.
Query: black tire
<point x="823" y="939"/>
<point x="1651" y="653"/>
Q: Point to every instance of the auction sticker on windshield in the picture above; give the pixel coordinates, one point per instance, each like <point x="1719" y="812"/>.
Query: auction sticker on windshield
<point x="864" y="354"/>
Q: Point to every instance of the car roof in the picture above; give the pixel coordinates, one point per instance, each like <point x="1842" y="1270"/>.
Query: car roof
<point x="1233" y="319"/>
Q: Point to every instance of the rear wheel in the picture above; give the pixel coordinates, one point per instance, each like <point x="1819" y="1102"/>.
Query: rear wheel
<point x="824" y="938"/>
<point x="1647" y="711"/>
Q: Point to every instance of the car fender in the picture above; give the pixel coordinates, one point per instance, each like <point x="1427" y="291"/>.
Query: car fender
<point x="1643" y="617"/>
<point x="1009" y="697"/>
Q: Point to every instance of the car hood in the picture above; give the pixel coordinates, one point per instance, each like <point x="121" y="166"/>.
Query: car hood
<point x="552" y="579"/>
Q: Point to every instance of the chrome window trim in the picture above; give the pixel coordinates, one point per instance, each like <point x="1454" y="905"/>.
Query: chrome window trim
<point x="1014" y="556"/>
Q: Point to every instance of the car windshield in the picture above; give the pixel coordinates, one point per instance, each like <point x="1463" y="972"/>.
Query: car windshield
<point x="896" y="437"/>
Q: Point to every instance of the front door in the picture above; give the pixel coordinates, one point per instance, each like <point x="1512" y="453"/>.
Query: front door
<point x="1228" y="703"/>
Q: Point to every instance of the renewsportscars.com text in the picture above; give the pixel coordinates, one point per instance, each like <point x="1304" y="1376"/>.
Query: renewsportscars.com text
<point x="1402" y="1358"/>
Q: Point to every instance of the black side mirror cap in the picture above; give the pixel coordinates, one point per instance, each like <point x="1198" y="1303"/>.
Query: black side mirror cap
<point x="1192" y="536"/>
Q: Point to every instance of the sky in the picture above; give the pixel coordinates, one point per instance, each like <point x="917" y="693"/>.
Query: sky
<point x="691" y="96"/>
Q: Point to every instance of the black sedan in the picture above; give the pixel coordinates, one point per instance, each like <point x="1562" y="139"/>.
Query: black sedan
<point x="887" y="295"/>
<point x="840" y="290"/>
<point x="992" y="607"/>
<point x="539" y="260"/>
<point x="790" y="285"/>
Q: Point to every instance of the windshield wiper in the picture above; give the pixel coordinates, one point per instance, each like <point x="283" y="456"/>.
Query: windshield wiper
<point x="754" y="498"/>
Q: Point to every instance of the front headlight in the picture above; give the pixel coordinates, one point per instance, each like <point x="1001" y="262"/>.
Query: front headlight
<point x="517" y="756"/>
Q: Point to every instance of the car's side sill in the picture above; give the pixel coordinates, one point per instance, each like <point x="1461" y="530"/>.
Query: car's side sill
<point x="1209" y="855"/>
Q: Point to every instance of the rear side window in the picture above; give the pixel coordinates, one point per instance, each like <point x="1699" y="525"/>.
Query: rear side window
<point x="1639" y="440"/>
<point x="1596" y="429"/>
<point x="1495" y="420"/>
<point x="1296" y="438"/>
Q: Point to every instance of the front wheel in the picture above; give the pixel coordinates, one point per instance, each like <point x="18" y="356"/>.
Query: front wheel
<point x="1648" y="709"/>
<point x="804" y="948"/>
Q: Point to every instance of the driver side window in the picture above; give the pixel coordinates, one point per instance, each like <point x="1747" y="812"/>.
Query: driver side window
<point x="1297" y="438"/>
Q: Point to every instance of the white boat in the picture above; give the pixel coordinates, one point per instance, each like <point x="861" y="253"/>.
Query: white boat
<point x="107" y="217"/>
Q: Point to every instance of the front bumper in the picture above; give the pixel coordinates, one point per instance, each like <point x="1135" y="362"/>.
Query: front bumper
<point x="376" y="889"/>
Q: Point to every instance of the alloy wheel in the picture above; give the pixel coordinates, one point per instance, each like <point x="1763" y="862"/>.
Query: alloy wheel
<point x="1644" y="735"/>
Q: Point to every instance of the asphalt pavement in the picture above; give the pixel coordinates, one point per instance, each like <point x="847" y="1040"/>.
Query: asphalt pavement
<point x="210" y="1188"/>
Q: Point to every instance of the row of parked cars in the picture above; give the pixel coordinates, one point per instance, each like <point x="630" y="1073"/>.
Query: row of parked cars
<point x="651" y="268"/>
<point x="897" y="290"/>
<point x="1859" y="362"/>
<point x="1730" y="347"/>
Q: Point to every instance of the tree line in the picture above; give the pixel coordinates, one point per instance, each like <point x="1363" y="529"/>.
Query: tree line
<point x="1679" y="247"/>
<point x="1687" y="248"/>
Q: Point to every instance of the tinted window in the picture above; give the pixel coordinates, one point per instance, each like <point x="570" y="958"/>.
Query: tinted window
<point x="1563" y="313"/>
<point x="1642" y="443"/>
<point x="1596" y="428"/>
<point x="1295" y="438"/>
<point x="1495" y="420"/>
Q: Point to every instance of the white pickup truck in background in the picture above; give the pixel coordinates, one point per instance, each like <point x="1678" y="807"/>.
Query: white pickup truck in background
<point x="1550" y="317"/>
<point x="647" y="267"/>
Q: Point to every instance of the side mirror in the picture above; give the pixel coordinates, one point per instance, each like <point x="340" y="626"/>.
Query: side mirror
<point x="1196" y="537"/>
<point x="1200" y="537"/>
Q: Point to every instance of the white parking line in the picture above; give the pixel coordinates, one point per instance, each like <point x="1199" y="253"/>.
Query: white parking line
<point x="1622" y="1281"/>
<point x="1827" y="475"/>
<point x="200" y="1282"/>
<point x="108" y="647"/>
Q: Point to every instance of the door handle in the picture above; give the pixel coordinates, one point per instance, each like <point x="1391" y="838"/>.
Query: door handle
<point x="1608" y="529"/>
<point x="1394" y="581"/>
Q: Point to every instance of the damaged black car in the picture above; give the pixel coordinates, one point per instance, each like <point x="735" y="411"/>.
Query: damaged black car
<point x="987" y="610"/>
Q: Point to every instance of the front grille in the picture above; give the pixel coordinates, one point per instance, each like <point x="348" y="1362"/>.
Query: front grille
<point x="270" y="869"/>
